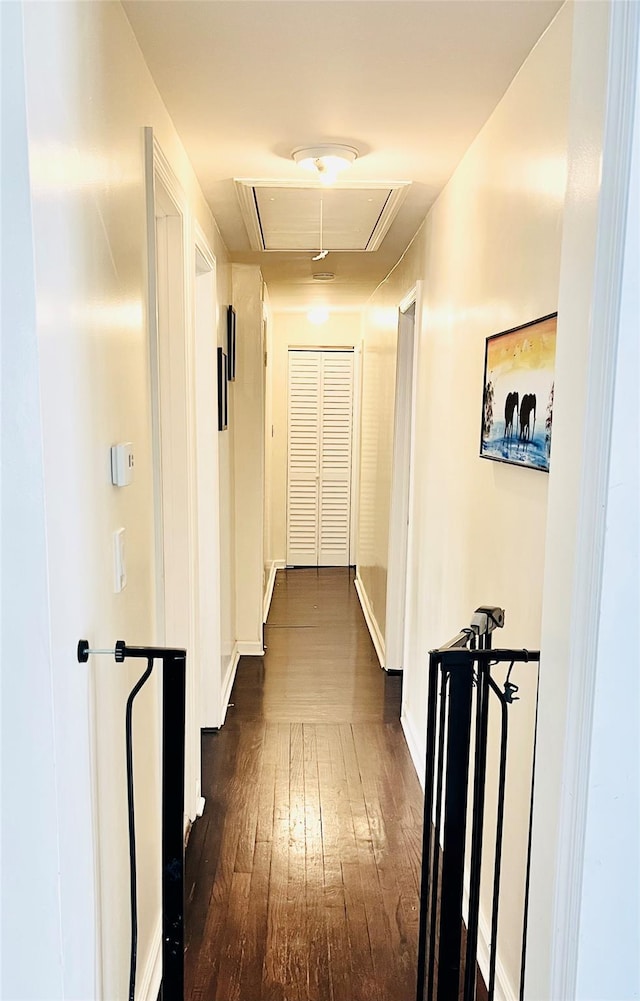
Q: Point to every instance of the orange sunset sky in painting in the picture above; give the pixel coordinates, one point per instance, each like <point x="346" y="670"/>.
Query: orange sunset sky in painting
<point x="520" y="351"/>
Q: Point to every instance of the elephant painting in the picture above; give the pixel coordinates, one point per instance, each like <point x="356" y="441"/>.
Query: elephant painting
<point x="518" y="388"/>
<point x="510" y="408"/>
<point x="527" y="416"/>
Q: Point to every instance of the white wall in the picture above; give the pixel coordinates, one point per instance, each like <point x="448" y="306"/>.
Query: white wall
<point x="376" y="446"/>
<point x="489" y="255"/>
<point x="294" y="329"/>
<point x="226" y="474"/>
<point x="89" y="94"/>
<point x="248" y="393"/>
<point x="587" y="715"/>
<point x="30" y="887"/>
<point x="213" y="657"/>
<point x="610" y="904"/>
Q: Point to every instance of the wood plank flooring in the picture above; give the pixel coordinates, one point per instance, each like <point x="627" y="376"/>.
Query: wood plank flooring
<point x="302" y="876"/>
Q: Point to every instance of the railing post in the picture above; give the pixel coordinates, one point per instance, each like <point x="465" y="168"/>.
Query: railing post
<point x="173" y="755"/>
<point x="477" y="825"/>
<point x="460" y="667"/>
<point x="427" y="824"/>
<point x="174" y="673"/>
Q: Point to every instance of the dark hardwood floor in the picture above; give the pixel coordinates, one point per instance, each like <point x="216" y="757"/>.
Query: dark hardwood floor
<point x="302" y="875"/>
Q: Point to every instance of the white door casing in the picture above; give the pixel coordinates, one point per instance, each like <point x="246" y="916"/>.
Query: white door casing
<point x="173" y="435"/>
<point x="399" y="514"/>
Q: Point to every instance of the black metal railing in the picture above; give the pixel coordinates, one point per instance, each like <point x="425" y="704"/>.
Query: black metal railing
<point x="460" y="690"/>
<point x="173" y="760"/>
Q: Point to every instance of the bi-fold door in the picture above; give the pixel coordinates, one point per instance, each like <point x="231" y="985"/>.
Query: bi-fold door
<point x="319" y="457"/>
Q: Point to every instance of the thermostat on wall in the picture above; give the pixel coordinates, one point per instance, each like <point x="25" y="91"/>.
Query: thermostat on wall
<point x="122" y="464"/>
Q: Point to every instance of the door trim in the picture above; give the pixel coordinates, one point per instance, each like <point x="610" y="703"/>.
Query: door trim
<point x="398" y="553"/>
<point x="165" y="200"/>
<point x="601" y="312"/>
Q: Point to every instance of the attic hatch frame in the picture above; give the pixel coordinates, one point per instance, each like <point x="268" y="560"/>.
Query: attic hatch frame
<point x="247" y="198"/>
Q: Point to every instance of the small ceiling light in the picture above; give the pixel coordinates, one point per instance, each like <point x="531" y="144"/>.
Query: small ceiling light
<point x="323" y="276"/>
<point x="325" y="159"/>
<point x="318" y="315"/>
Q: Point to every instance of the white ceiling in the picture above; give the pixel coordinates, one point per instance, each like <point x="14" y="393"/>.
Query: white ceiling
<point x="408" y="82"/>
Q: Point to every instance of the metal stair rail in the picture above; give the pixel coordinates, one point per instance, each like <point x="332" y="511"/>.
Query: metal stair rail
<point x="460" y="689"/>
<point x="174" y="665"/>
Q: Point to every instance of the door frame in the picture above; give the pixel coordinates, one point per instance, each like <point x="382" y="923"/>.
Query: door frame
<point x="410" y="581"/>
<point x="401" y="486"/>
<point x="604" y="80"/>
<point x="173" y="447"/>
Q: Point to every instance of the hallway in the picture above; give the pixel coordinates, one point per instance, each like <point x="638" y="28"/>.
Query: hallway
<point x="302" y="875"/>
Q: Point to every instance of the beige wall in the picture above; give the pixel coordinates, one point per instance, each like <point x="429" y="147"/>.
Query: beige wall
<point x="226" y="487"/>
<point x="378" y="401"/>
<point x="489" y="256"/>
<point x="89" y="95"/>
<point x="295" y="330"/>
<point x="248" y="392"/>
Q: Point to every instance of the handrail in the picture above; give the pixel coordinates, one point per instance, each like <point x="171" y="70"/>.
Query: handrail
<point x="460" y="687"/>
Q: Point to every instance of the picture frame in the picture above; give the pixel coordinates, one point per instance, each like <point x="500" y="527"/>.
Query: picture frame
<point x="517" y="397"/>
<point x="223" y="398"/>
<point x="231" y="343"/>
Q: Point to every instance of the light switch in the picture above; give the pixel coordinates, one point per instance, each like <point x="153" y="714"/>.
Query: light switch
<point x="119" y="565"/>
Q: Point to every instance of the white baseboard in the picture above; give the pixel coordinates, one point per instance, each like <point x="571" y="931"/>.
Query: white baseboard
<point x="250" y="648"/>
<point x="148" y="986"/>
<point x="229" y="678"/>
<point x="504" y="989"/>
<point x="280" y="564"/>
<point x="269" y="591"/>
<point x="370" y="619"/>
<point x="417" y="748"/>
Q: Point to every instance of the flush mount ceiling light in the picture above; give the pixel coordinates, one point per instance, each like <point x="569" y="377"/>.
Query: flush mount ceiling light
<point x="326" y="160"/>
<point x="323" y="276"/>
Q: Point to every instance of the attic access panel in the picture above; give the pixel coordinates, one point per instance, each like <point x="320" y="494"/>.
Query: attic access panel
<point x="284" y="216"/>
<point x="290" y="218"/>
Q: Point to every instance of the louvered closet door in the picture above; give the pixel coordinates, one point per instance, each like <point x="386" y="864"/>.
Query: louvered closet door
<point x="335" y="458"/>
<point x="319" y="468"/>
<point x="305" y="371"/>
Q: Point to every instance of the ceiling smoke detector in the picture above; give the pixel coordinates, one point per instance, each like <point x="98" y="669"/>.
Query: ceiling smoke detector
<point x="325" y="159"/>
<point x="323" y="276"/>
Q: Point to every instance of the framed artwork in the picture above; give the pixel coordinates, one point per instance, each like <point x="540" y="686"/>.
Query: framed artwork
<point x="231" y="342"/>
<point x="223" y="400"/>
<point x="517" y="402"/>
